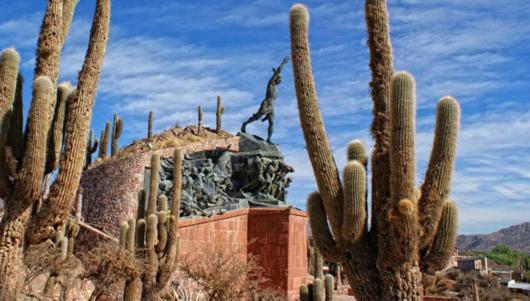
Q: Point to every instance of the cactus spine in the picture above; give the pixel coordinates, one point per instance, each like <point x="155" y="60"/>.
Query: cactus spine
<point x="104" y="141"/>
<point x="91" y="147"/>
<point x="150" y="125"/>
<point x="20" y="226"/>
<point x="411" y="232"/>
<point x="219" y="115"/>
<point x="117" y="127"/>
<point x="154" y="235"/>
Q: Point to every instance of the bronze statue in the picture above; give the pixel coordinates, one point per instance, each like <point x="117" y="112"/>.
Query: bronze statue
<point x="266" y="109"/>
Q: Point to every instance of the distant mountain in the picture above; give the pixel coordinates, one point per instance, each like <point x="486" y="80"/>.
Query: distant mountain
<point x="515" y="237"/>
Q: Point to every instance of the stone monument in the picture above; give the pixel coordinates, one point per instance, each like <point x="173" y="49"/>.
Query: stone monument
<point x="214" y="181"/>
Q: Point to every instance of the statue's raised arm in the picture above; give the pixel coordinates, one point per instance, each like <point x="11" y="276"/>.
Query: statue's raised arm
<point x="278" y="70"/>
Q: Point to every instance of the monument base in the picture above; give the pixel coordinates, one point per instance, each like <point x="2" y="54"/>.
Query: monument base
<point x="277" y="236"/>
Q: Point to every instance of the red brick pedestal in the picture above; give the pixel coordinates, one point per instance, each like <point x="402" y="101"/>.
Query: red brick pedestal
<point x="277" y="236"/>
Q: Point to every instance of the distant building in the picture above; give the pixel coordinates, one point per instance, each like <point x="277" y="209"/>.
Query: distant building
<point x="466" y="264"/>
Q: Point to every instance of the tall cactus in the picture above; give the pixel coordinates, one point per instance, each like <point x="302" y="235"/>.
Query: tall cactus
<point x="117" y="127"/>
<point x="199" y="120"/>
<point x="412" y="230"/>
<point x="219" y="115"/>
<point x="104" y="141"/>
<point x="150" y="125"/>
<point x="20" y="227"/>
<point x="154" y="234"/>
<point x="91" y="147"/>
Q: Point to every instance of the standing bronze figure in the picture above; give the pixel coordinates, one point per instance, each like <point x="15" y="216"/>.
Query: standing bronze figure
<point x="266" y="109"/>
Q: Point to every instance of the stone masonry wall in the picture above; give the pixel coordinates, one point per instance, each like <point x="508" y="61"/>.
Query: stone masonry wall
<point x="279" y="238"/>
<point x="110" y="189"/>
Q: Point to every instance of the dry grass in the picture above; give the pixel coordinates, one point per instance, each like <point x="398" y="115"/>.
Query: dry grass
<point x="107" y="266"/>
<point x="220" y="273"/>
<point x="44" y="261"/>
<point x="170" y="138"/>
<point x="455" y="283"/>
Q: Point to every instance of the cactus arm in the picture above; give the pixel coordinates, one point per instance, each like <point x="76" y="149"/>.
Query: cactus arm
<point x="402" y="116"/>
<point x="153" y="185"/>
<point x="117" y="127"/>
<point x="62" y="192"/>
<point x="162" y="230"/>
<point x="219" y="115"/>
<point x="436" y="186"/>
<point x="319" y="227"/>
<point x="443" y="244"/>
<point x="89" y="148"/>
<point x="199" y="119"/>
<point x="131" y="234"/>
<point x="320" y="154"/>
<point x="95" y="146"/>
<point x="56" y="133"/>
<point x="29" y="182"/>
<point x="124" y="228"/>
<point x="356" y="152"/>
<point x="318" y="290"/>
<point x="354" y="220"/>
<point x="16" y="131"/>
<point x="177" y="188"/>
<point x="329" y="286"/>
<point x="49" y="44"/>
<point x="68" y="14"/>
<point x="382" y="70"/>
<point x="151" y="270"/>
<point x="319" y="265"/>
<point x="171" y="252"/>
<point x="104" y="141"/>
<point x="150" y="125"/>
<point x="9" y="67"/>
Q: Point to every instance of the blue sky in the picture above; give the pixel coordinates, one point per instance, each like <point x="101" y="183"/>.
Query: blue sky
<point x="170" y="56"/>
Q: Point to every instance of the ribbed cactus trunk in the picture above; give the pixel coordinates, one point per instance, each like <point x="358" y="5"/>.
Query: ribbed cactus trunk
<point x="413" y="230"/>
<point x="117" y="127"/>
<point x="219" y="115"/>
<point x="150" y="125"/>
<point x="199" y="120"/>
<point x="19" y="228"/>
<point x="104" y="141"/>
